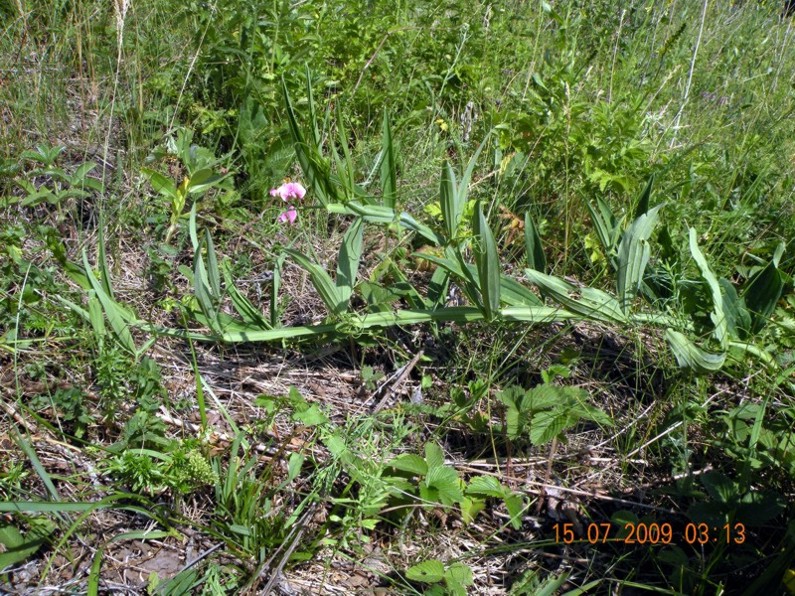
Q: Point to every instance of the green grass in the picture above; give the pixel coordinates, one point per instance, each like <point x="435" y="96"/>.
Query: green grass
<point x="542" y="280"/>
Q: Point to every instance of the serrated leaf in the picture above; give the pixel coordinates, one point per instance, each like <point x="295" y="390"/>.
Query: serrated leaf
<point x="459" y="574"/>
<point x="487" y="486"/>
<point x="434" y="456"/>
<point x="515" y="506"/>
<point x="549" y="424"/>
<point x="428" y="572"/>
<point x="408" y="462"/>
<point x="447" y="484"/>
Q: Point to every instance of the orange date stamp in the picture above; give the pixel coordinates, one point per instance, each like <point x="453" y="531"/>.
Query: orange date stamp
<point x="642" y="533"/>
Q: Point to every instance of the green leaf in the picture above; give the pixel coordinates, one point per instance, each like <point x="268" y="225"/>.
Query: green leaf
<point x="549" y="424"/>
<point x="764" y="290"/>
<point x="388" y="165"/>
<point x="18" y="548"/>
<point x="488" y="264"/>
<point x="428" y="572"/>
<point x="348" y="263"/>
<point x="720" y="488"/>
<point x="533" y="247"/>
<point x="434" y="455"/>
<point x="645" y="197"/>
<point x="459" y="574"/>
<point x="688" y="355"/>
<point x="203" y="180"/>
<point x="447" y="484"/>
<point x="633" y="255"/>
<point x="115" y="313"/>
<point x="607" y="227"/>
<point x="165" y="186"/>
<point x="408" y="462"/>
<point x="591" y="303"/>
<point x="717" y="315"/>
<point x="451" y="209"/>
<point x="487" y="486"/>
<point x="515" y="506"/>
<point x="332" y="296"/>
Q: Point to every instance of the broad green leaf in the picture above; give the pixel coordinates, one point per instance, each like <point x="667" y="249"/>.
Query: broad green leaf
<point x="688" y="355"/>
<point x="533" y="247"/>
<point x="548" y="424"/>
<point x="203" y="180"/>
<point x="213" y="275"/>
<point x="408" y="462"/>
<point x="717" y="315"/>
<point x="764" y="290"/>
<point x="738" y="319"/>
<point x="633" y="255"/>
<point x="434" y="455"/>
<point x="459" y="574"/>
<point x="720" y="487"/>
<point x="488" y="264"/>
<point x="388" y="165"/>
<point x="17" y="548"/>
<point x="249" y="313"/>
<point x="487" y="486"/>
<point x="591" y="303"/>
<point x="348" y="262"/>
<point x="446" y="482"/>
<point x="428" y="572"/>
<point x="165" y="186"/>
<point x="515" y="506"/>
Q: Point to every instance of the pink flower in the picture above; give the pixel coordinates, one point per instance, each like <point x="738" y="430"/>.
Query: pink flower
<point x="289" y="216"/>
<point x="289" y="190"/>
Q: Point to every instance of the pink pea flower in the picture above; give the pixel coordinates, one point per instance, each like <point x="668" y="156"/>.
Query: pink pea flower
<point x="289" y="190"/>
<point x="289" y="216"/>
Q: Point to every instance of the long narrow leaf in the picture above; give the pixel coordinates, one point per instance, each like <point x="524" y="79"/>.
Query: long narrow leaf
<point x="348" y="262"/>
<point x="591" y="303"/>
<point x="718" y="314"/>
<point x="117" y="316"/>
<point x="533" y="247"/>
<point x="329" y="293"/>
<point x="633" y="255"/>
<point x="448" y="201"/>
<point x="487" y="262"/>
<point x="388" y="165"/>
<point x="688" y="355"/>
